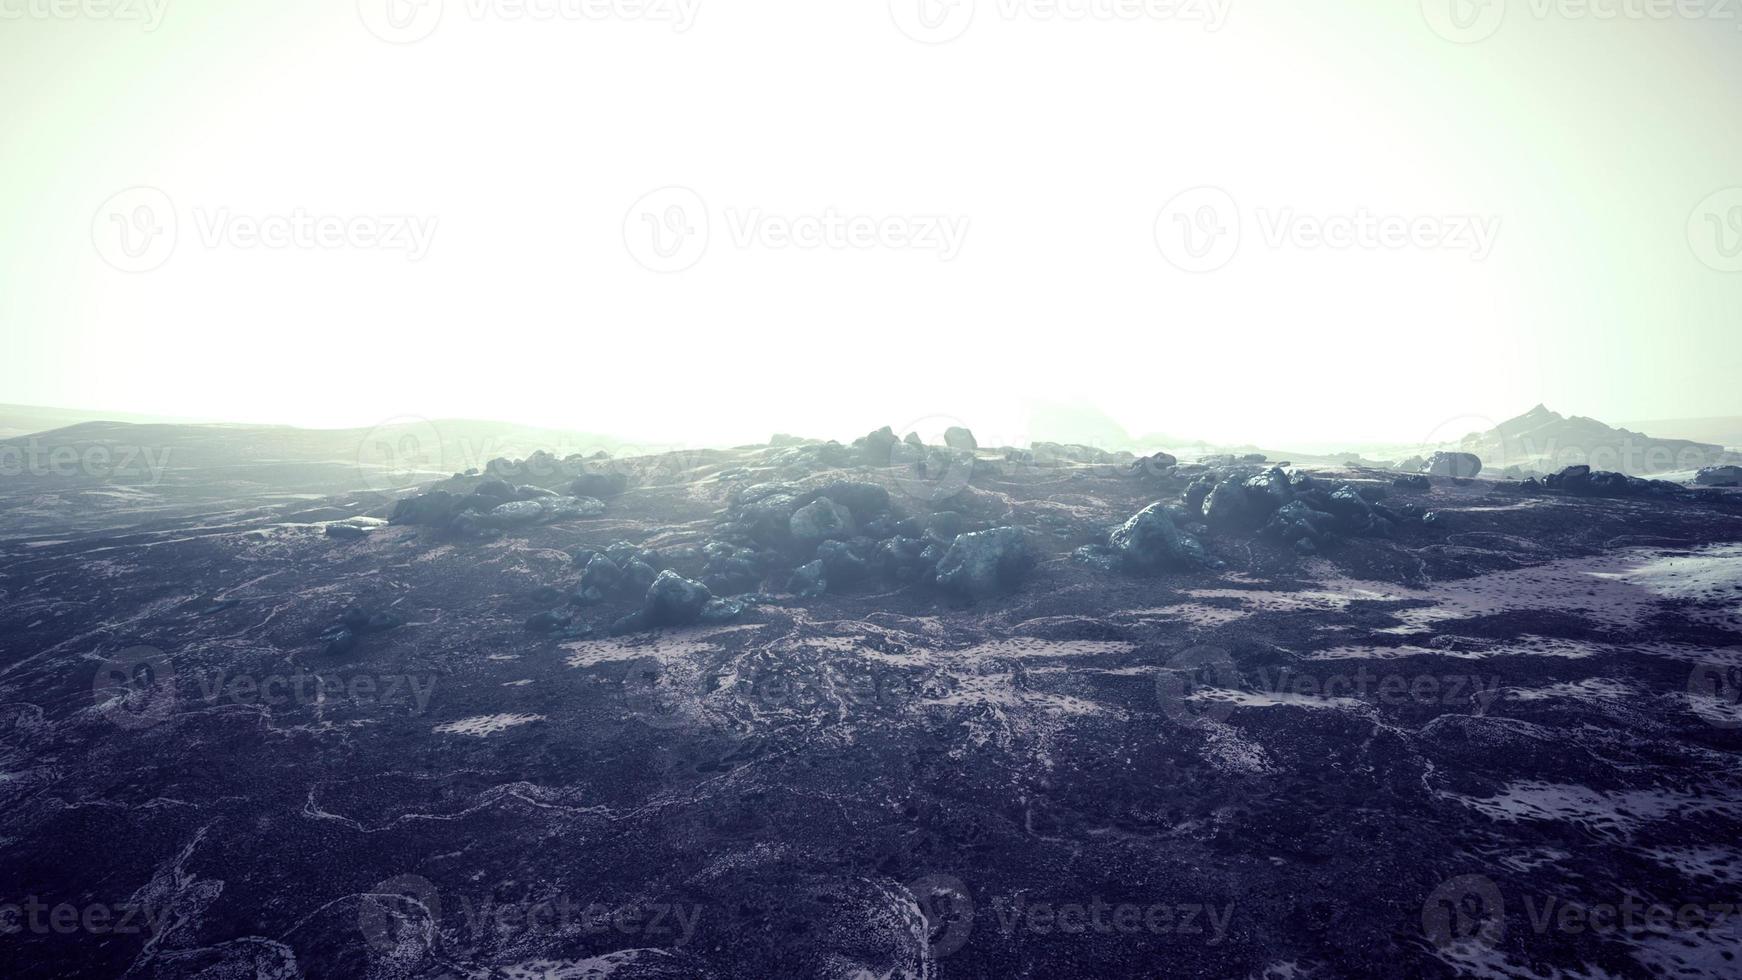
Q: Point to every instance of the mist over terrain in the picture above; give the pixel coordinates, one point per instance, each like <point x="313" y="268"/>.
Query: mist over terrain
<point x="897" y="490"/>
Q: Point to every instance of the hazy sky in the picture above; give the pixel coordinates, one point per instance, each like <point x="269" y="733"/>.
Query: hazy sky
<point x="589" y="214"/>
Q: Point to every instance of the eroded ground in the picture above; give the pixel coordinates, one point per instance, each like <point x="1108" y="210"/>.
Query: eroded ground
<point x="1403" y="757"/>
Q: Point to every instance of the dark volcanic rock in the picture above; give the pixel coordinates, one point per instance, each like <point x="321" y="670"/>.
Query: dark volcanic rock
<point x="1149" y="541"/>
<point x="985" y="563"/>
<point x="673" y="600"/>
<point x="603" y="485"/>
<point x="1719" y="476"/>
<point x="821" y="520"/>
<point x="1466" y="466"/>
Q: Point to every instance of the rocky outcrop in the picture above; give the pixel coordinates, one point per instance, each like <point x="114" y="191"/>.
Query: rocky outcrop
<point x="985" y="563"/>
<point x="1463" y="466"/>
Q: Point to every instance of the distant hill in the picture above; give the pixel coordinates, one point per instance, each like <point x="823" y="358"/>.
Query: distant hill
<point x="104" y="474"/>
<point x="22" y="420"/>
<point x="1547" y="441"/>
<point x="1724" y="430"/>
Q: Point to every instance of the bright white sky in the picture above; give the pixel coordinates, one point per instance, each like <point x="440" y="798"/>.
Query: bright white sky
<point x="530" y="143"/>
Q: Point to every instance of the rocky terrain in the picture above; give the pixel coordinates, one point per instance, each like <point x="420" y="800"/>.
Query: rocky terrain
<point x="879" y="710"/>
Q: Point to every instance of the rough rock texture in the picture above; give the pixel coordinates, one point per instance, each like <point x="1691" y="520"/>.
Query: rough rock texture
<point x="1149" y="540"/>
<point x="957" y="437"/>
<point x="983" y="564"/>
<point x="1465" y="466"/>
<point x="1292" y="765"/>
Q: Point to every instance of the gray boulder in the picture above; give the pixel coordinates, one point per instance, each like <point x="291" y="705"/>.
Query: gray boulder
<point x="957" y="437"/>
<point x="1463" y="466"/>
<point x="1150" y="540"/>
<point x="1719" y="476"/>
<point x="985" y="563"/>
<point x="673" y="600"/>
<point x="1227" y="505"/>
<point x="821" y="520"/>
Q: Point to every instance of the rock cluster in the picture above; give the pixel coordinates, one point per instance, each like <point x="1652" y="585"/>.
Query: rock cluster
<point x="1582" y="481"/>
<point x="1719" y="476"/>
<point x="492" y="505"/>
<point x="833" y="535"/>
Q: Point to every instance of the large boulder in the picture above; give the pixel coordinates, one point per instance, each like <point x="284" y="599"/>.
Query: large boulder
<point x="1149" y="541"/>
<point x="876" y="447"/>
<point x="863" y="499"/>
<point x="572" y="508"/>
<point x="1464" y="466"/>
<point x="1270" y="490"/>
<point x="601" y="485"/>
<point x="1719" y="476"/>
<point x="435" y="509"/>
<point x="1296" y="522"/>
<point x="985" y="563"/>
<point x="1228" y="506"/>
<point x="821" y="520"/>
<point x="1158" y="464"/>
<point x="673" y="600"/>
<point x="957" y="437"/>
